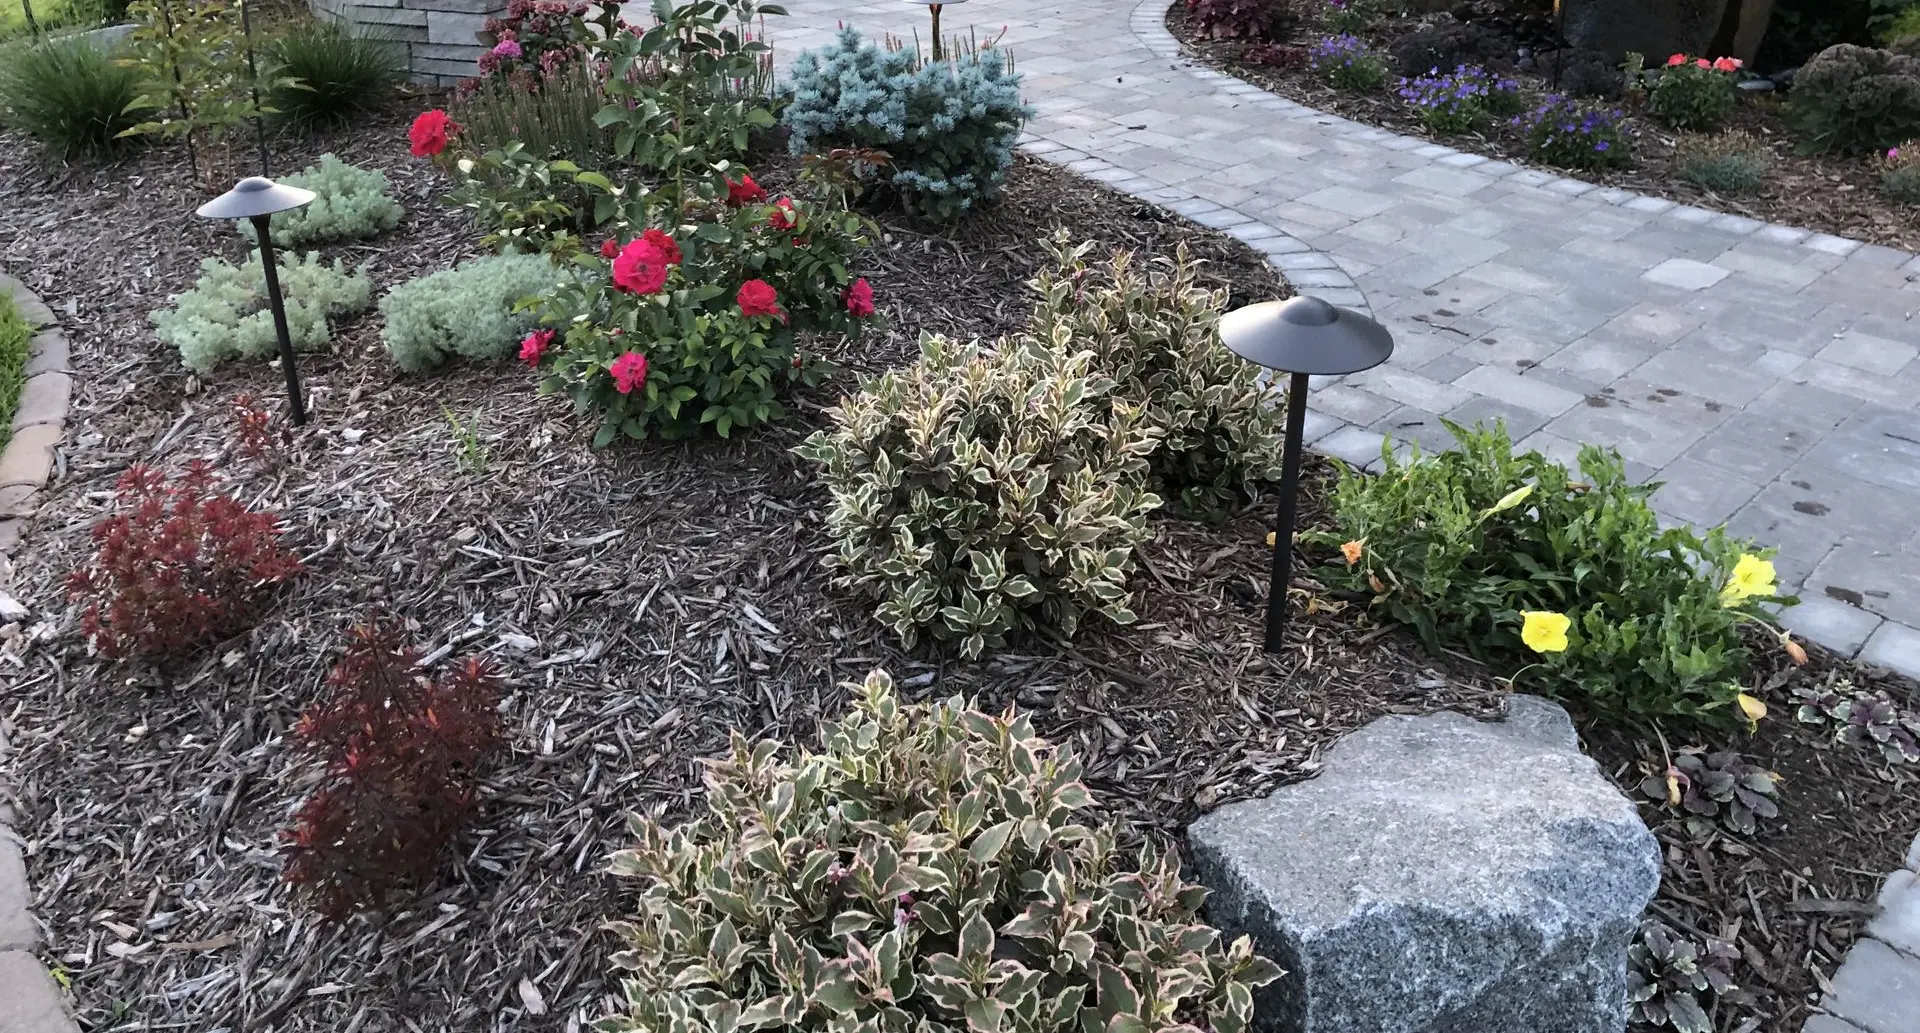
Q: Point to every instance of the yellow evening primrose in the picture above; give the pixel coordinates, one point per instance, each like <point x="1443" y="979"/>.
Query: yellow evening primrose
<point x="1754" y="710"/>
<point x="1544" y="631"/>
<point x="1751" y="576"/>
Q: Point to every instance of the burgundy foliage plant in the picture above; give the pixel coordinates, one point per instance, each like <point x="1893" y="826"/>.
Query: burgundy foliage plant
<point x="1259" y="21"/>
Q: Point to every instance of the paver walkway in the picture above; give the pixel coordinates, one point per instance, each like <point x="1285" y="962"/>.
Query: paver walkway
<point x="1768" y="375"/>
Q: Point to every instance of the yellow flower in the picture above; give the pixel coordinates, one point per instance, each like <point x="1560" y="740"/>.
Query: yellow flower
<point x="1510" y="500"/>
<point x="1754" y="710"/>
<point x="1352" y="551"/>
<point x="1272" y="537"/>
<point x="1751" y="576"/>
<point x="1544" y="631"/>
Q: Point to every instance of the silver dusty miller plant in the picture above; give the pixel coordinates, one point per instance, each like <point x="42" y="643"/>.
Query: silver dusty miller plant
<point x="1721" y="785"/>
<point x="925" y="872"/>
<point x="1859" y="718"/>
<point x="1667" y="973"/>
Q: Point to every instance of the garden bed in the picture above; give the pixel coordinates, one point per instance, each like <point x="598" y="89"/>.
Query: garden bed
<point x="1828" y="193"/>
<point x="644" y="603"/>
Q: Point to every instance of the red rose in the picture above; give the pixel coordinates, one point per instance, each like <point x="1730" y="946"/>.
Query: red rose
<point x="430" y="132"/>
<point x="783" y="217"/>
<point x="860" y="299"/>
<point x="665" y="242"/>
<point x="535" y="346"/>
<point x="745" y="191"/>
<point x="609" y="248"/>
<point x="640" y="268"/>
<point x="757" y="298"/>
<point x="629" y="372"/>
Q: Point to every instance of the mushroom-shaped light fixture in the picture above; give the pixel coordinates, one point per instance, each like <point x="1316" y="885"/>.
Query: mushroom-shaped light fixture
<point x="255" y="199"/>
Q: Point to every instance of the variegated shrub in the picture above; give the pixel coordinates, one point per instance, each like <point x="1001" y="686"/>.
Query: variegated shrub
<point x="1156" y="333"/>
<point x="924" y="873"/>
<point x="979" y="492"/>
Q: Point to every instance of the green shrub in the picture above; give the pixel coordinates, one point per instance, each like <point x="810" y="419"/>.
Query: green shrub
<point x="948" y="126"/>
<point x="1856" y="99"/>
<point x="1575" y="134"/>
<point x="16" y="340"/>
<point x="68" y="94"/>
<point x="1694" y="93"/>
<point x="555" y="121"/>
<point x="1900" y="172"/>
<point x="225" y="315"/>
<point x="1156" y="334"/>
<point x="1901" y="27"/>
<point x="1729" y="163"/>
<point x="931" y="868"/>
<point x="1463" y="544"/>
<point x="977" y="493"/>
<point x="1348" y="63"/>
<point x="350" y="203"/>
<point x="335" y="73"/>
<point x="472" y="310"/>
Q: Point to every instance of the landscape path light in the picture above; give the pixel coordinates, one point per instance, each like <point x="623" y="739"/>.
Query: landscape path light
<point x="934" y="6"/>
<point x="1304" y="337"/>
<point x="256" y="198"/>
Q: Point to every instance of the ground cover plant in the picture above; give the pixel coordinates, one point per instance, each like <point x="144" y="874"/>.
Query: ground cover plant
<point x="70" y="96"/>
<point x="226" y="315"/>
<point x="349" y="204"/>
<point x="1822" y="143"/>
<point x="480" y="310"/>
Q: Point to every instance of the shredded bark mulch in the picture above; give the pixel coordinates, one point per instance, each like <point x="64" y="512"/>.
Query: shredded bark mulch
<point x="643" y="602"/>
<point x="1835" y="194"/>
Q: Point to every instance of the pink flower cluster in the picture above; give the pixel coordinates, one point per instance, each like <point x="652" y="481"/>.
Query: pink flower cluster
<point x="1718" y="64"/>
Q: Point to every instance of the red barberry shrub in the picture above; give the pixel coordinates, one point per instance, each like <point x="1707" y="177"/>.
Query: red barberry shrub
<point x="399" y="752"/>
<point x="1257" y="20"/>
<point x="253" y="430"/>
<point x="181" y="565"/>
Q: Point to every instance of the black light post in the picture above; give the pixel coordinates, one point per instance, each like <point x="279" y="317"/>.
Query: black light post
<point x="934" y="6"/>
<point x="1303" y="337"/>
<point x="256" y="198"/>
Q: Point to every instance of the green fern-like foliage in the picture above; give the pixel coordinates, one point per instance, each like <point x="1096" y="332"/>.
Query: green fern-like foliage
<point x="350" y="203"/>
<point x="471" y="310"/>
<point x="226" y="315"/>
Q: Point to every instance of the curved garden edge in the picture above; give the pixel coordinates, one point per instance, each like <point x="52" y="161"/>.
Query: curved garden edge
<point x="29" y="1000"/>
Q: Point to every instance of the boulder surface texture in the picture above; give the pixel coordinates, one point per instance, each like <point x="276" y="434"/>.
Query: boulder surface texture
<point x="1652" y="28"/>
<point x="1442" y="875"/>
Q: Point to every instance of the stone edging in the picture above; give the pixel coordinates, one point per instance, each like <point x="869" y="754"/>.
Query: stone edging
<point x="40" y="419"/>
<point x="1873" y="989"/>
<point x="29" y="1000"/>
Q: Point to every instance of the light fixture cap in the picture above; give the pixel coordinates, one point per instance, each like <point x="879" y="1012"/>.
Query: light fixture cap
<point x="1305" y="335"/>
<point x="255" y="195"/>
<point x="937" y="3"/>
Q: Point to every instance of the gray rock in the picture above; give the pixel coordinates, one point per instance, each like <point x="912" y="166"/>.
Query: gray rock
<point x="1654" y="28"/>
<point x="1442" y="874"/>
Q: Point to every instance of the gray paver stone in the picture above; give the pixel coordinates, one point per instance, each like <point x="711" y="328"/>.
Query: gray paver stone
<point x="1686" y="274"/>
<point x="1898" y="924"/>
<point x="1829" y="1024"/>
<point x="1875" y="989"/>
<point x="1355" y="446"/>
<point x="1831" y="623"/>
<point x="18" y="932"/>
<point x="1913" y="855"/>
<point x="1895" y="647"/>
<point x="30" y="1002"/>
<point x="1408" y="888"/>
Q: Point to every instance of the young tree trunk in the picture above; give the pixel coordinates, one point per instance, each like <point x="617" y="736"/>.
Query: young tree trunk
<point x="26" y="8"/>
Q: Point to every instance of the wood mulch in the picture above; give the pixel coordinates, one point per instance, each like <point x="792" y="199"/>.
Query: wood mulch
<point x="643" y="602"/>
<point x="1835" y="194"/>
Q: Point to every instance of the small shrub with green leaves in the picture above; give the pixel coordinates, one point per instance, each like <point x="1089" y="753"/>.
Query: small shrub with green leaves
<point x="931" y="868"/>
<point x="1859" y="718"/>
<point x="226" y="315"/>
<point x="1854" y="99"/>
<point x="1695" y="94"/>
<point x="1900" y="172"/>
<point x="329" y="73"/>
<point x="1723" y="785"/>
<point x="1156" y="333"/>
<point x="350" y="203"/>
<point x="1667" y="973"/>
<point x="472" y="310"/>
<point x="555" y="121"/>
<point x="1347" y="62"/>
<point x="69" y="95"/>
<point x="1575" y="134"/>
<point x="981" y="493"/>
<point x="948" y="126"/>
<point x="16" y="347"/>
<point x="1733" y="162"/>
<point x="1476" y="546"/>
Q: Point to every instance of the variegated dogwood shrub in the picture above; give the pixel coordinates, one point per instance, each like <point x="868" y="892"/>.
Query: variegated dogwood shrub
<point x="929" y="870"/>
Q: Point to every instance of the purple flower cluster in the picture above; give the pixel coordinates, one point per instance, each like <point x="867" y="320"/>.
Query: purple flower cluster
<point x="1566" y="132"/>
<point x="1454" y="102"/>
<point x="1346" y="61"/>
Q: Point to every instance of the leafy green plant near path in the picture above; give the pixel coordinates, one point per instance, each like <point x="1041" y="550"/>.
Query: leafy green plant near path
<point x="1693" y="93"/>
<point x="472" y="310"/>
<point x="16" y="338"/>
<point x="350" y="203"/>
<point x="226" y="315"/>
<point x="69" y="95"/>
<point x="1733" y="162"/>
<point x="1567" y="580"/>
<point x="193" y="68"/>
<point x="1900" y="172"/>
<point x="328" y="73"/>
<point x="931" y="868"/>
<point x="1852" y="99"/>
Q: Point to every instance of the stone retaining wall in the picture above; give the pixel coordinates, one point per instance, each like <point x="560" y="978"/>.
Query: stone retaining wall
<point x="439" y="35"/>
